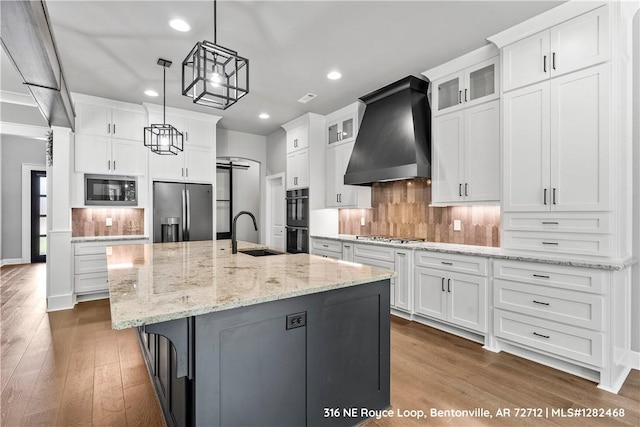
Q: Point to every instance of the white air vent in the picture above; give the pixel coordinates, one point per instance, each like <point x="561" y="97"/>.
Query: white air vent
<point x="308" y="97"/>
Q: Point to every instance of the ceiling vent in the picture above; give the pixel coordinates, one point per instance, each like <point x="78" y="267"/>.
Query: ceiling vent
<point x="308" y="97"/>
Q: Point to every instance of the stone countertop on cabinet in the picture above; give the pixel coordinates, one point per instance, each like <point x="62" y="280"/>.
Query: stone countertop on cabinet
<point x="91" y="239"/>
<point x="166" y="281"/>
<point x="491" y="252"/>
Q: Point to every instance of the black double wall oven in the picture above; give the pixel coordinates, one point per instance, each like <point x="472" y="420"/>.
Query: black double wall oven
<point x="298" y="221"/>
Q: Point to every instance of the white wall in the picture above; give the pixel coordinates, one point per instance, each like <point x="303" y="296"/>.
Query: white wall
<point x="14" y="151"/>
<point x="276" y="152"/>
<point x="249" y="146"/>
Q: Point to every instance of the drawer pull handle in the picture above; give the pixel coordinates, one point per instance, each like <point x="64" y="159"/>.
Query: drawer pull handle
<point x="448" y="285"/>
<point x="446" y="263"/>
<point x="541" y="276"/>
<point x="550" y="243"/>
<point x="540" y="335"/>
<point x="540" y="302"/>
<point x="550" y="222"/>
<point x="443" y="284"/>
<point x="325" y="246"/>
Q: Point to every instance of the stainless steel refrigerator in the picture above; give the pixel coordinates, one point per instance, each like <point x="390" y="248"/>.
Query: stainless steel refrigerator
<point x="182" y="212"/>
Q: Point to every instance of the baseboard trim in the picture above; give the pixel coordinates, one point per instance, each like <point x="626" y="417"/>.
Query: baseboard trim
<point x="633" y="360"/>
<point x="11" y="261"/>
<point x="60" y="302"/>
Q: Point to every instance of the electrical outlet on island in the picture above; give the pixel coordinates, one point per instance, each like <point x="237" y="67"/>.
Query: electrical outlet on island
<point x="457" y="225"/>
<point x="109" y="222"/>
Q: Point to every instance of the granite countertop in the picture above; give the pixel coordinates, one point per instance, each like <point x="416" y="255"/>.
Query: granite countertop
<point x="87" y="239"/>
<point x="491" y="252"/>
<point x="151" y="283"/>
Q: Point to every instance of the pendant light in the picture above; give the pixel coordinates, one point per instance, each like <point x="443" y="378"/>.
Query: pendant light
<point x="163" y="138"/>
<point x="213" y="75"/>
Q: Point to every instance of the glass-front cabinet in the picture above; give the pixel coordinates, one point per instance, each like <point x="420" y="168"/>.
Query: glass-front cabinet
<point x="341" y="131"/>
<point x="473" y="85"/>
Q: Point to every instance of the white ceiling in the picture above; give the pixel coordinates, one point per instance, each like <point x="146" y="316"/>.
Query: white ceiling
<point x="110" y="48"/>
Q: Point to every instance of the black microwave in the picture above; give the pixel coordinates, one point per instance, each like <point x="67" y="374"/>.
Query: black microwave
<point x="110" y="190"/>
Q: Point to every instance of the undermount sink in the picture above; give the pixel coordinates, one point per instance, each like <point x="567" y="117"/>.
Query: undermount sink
<point x="260" y="252"/>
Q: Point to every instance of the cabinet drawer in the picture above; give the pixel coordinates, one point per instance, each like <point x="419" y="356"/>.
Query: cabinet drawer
<point x="557" y="276"/>
<point x="326" y="254"/>
<point x="93" y="249"/>
<point x="380" y="253"/>
<point x="452" y="262"/>
<point x="562" y="340"/>
<point x="327" y="245"/>
<point x="90" y="264"/>
<point x="92" y="282"/>
<point x="563" y="243"/>
<point x="570" y="307"/>
<point x="563" y="222"/>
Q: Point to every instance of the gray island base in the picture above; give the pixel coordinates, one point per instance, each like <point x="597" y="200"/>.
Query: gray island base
<point x="318" y="358"/>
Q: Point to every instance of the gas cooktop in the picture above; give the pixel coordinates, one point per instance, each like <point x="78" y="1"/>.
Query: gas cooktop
<point x="389" y="239"/>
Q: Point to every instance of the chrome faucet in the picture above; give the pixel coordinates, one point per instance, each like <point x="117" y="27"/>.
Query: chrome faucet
<point x="234" y="241"/>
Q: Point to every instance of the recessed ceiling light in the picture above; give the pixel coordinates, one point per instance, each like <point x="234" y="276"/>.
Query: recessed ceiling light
<point x="264" y="116"/>
<point x="179" y="25"/>
<point x="334" y="75"/>
<point x="150" y="92"/>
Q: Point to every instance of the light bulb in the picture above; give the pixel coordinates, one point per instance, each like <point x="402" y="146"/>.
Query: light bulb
<point x="164" y="141"/>
<point x="216" y="77"/>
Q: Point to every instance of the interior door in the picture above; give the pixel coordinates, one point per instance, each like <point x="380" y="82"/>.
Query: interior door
<point x="277" y="214"/>
<point x="200" y="211"/>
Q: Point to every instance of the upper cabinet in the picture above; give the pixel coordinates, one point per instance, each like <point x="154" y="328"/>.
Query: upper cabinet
<point x="297" y="139"/>
<point x="197" y="161"/>
<point x="466" y="87"/>
<point x="342" y="129"/>
<point x="109" y="137"/>
<point x="572" y="45"/>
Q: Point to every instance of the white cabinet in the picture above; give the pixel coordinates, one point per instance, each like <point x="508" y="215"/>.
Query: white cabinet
<point x="466" y="155"/>
<point x="298" y="169"/>
<point x="340" y="195"/>
<point x="326" y="248"/>
<point x="443" y="290"/>
<point x="196" y="163"/>
<point x="109" y="139"/>
<point x="556" y="144"/>
<point x="402" y="291"/>
<point x="347" y="251"/>
<point x="297" y="139"/>
<point x="92" y="119"/>
<point x="575" y="44"/>
<point x="470" y="86"/>
<point x="342" y="130"/>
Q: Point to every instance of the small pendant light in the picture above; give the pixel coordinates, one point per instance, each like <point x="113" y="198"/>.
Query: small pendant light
<point x="163" y="138"/>
<point x="213" y="75"/>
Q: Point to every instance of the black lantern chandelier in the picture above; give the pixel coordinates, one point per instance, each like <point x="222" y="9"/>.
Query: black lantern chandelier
<point x="213" y="75"/>
<point x="164" y="138"/>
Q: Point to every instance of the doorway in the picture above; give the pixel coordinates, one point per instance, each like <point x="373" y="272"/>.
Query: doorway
<point x="276" y="212"/>
<point x="38" y="216"/>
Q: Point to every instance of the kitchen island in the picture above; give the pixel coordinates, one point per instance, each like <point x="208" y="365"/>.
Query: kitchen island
<point x="233" y="339"/>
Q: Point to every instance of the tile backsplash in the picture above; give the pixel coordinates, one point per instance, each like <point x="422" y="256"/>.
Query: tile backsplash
<point x="401" y="209"/>
<point x="87" y="222"/>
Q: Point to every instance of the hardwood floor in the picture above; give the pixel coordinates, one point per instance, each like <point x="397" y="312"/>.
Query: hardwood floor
<point x="70" y="368"/>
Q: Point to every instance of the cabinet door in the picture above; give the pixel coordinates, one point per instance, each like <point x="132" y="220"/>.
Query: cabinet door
<point x="303" y="168"/>
<point x="580" y="140"/>
<point x="430" y="293"/>
<point x="198" y="132"/>
<point x="200" y="164"/>
<point x="333" y="134"/>
<point x="481" y="82"/>
<point x="93" y="120"/>
<point x="129" y="157"/>
<point x="448" y="134"/>
<point x="482" y="152"/>
<point x="526" y="149"/>
<point x="402" y="280"/>
<point x="580" y="42"/>
<point x="347" y="129"/>
<point x="348" y="195"/>
<point x="347" y="252"/>
<point x="526" y="61"/>
<point x="92" y="154"/>
<point x="128" y="124"/>
<point x="333" y="177"/>
<point x="448" y="92"/>
<point x="466" y="300"/>
<point x="297" y="139"/>
<point x="167" y="166"/>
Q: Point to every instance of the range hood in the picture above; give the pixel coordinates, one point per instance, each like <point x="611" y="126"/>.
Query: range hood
<point x="394" y="138"/>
